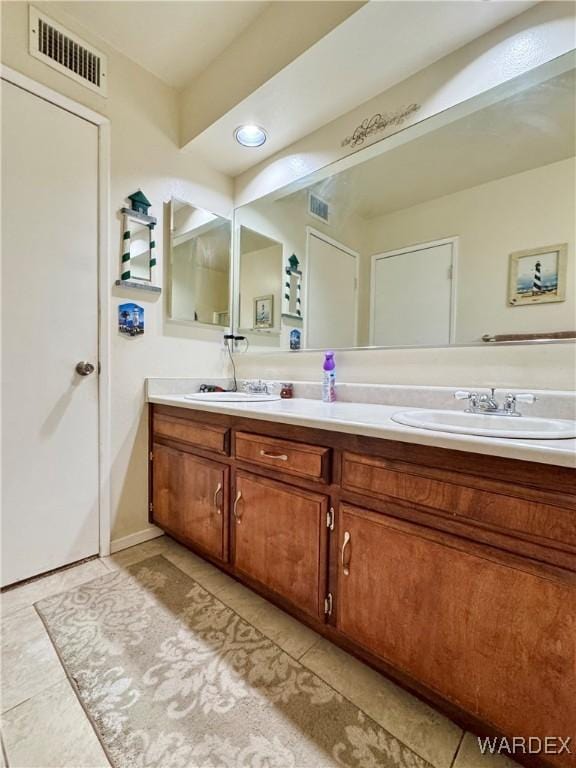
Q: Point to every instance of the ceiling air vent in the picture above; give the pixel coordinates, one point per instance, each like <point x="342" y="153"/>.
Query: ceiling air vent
<point x="318" y="207"/>
<point x="64" y="51"/>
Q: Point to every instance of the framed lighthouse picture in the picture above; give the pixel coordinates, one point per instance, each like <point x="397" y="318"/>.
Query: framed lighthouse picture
<point x="537" y="276"/>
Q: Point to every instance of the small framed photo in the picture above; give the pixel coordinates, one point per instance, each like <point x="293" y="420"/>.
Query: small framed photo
<point x="264" y="311"/>
<point x="537" y="276"/>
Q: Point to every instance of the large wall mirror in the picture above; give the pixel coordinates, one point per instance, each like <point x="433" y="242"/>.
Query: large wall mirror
<point x="199" y="270"/>
<point x="457" y="230"/>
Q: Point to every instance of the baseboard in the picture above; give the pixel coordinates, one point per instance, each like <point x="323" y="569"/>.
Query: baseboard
<point x="135" y="538"/>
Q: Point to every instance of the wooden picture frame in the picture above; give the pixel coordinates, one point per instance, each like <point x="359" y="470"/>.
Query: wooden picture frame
<point x="537" y="275"/>
<point x="264" y="312"/>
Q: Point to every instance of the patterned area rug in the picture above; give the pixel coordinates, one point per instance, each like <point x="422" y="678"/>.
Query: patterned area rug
<point x="172" y="678"/>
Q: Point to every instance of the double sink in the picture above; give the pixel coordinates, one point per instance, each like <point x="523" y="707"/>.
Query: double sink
<point x="458" y="422"/>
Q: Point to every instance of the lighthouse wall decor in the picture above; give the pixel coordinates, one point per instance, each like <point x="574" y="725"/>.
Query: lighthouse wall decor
<point x="138" y="259"/>
<point x="538" y="275"/>
<point x="292" y="295"/>
<point x="130" y="319"/>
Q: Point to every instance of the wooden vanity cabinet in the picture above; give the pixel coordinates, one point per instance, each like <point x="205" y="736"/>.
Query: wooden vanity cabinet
<point x="495" y="636"/>
<point x="453" y="573"/>
<point x="190" y="499"/>
<point x="279" y="539"/>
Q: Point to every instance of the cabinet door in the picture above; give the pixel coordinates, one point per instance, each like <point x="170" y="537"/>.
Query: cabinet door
<point x="279" y="539"/>
<point x="190" y="499"/>
<point x="487" y="631"/>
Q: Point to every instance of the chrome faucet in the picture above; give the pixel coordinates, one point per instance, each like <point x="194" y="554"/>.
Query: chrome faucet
<point x="488" y="404"/>
<point x="256" y="387"/>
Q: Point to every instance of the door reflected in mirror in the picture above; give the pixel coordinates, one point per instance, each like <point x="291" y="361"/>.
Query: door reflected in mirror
<point x="428" y="268"/>
<point x="200" y="244"/>
<point x="419" y="238"/>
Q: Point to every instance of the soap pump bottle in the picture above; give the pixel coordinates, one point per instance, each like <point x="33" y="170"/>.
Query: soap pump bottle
<point x="329" y="378"/>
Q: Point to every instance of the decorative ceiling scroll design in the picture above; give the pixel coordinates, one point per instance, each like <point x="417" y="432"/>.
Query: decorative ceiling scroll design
<point x="378" y="123"/>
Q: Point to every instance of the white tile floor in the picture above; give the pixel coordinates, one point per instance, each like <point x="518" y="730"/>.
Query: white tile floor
<point x="44" y="725"/>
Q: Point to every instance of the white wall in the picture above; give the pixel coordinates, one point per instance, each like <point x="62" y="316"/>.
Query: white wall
<point x="196" y="288"/>
<point x="527" y="210"/>
<point x="260" y="275"/>
<point x="145" y="154"/>
<point x="542" y="366"/>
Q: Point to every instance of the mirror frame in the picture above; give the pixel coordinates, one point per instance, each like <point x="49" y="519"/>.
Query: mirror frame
<point x="169" y="269"/>
<point x="532" y="77"/>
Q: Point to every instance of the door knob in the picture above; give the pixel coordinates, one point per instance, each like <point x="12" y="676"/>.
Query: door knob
<point x="84" y="368"/>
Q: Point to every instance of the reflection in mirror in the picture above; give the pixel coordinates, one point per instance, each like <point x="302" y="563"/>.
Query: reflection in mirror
<point x="140" y="237"/>
<point x="199" y="265"/>
<point x="260" y="284"/>
<point x="460" y="228"/>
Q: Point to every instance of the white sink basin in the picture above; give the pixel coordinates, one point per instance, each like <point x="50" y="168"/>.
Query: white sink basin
<point x="232" y="397"/>
<point x="487" y="425"/>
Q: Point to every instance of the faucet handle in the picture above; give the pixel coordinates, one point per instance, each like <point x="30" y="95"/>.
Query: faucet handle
<point x="526" y="397"/>
<point x="462" y="394"/>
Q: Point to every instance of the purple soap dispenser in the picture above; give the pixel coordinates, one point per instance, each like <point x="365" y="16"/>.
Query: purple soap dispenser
<point x="329" y="378"/>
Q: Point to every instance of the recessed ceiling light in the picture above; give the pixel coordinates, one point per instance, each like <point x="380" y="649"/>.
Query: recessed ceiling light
<point x="250" y="135"/>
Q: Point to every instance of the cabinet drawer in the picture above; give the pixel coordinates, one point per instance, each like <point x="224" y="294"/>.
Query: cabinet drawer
<point x="299" y="459"/>
<point x="206" y="436"/>
<point x="460" y="496"/>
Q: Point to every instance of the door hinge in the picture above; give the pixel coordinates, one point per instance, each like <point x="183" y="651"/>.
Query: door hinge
<point x="151" y="507"/>
<point x="151" y="455"/>
<point x="330" y="519"/>
<point x="328" y="604"/>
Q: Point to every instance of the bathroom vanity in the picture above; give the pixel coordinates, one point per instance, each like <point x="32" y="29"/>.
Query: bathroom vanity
<point x="452" y="571"/>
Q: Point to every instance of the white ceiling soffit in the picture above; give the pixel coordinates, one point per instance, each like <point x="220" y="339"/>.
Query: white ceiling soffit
<point x="378" y="46"/>
<point x="174" y="40"/>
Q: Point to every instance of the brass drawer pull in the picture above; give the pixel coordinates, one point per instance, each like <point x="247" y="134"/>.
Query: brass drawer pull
<point x="345" y="549"/>
<point x="279" y="456"/>
<point x="216" y="494"/>
<point x="237" y="517"/>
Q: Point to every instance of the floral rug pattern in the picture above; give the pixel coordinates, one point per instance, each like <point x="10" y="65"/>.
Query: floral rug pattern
<point x="173" y="678"/>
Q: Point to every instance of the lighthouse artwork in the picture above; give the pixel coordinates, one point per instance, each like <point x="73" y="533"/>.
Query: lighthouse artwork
<point x="131" y="319"/>
<point x="537" y="281"/>
<point x="538" y="276"/>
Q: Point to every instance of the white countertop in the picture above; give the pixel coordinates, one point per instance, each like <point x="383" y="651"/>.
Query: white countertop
<point x="371" y="420"/>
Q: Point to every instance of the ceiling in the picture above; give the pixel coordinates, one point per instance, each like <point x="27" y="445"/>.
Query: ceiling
<point x="250" y="241"/>
<point x="533" y="128"/>
<point x="379" y="45"/>
<point x="340" y="60"/>
<point x="173" y="39"/>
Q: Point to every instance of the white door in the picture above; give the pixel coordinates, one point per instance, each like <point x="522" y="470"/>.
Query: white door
<point x="331" y="294"/>
<point x="412" y="296"/>
<point x="49" y="324"/>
